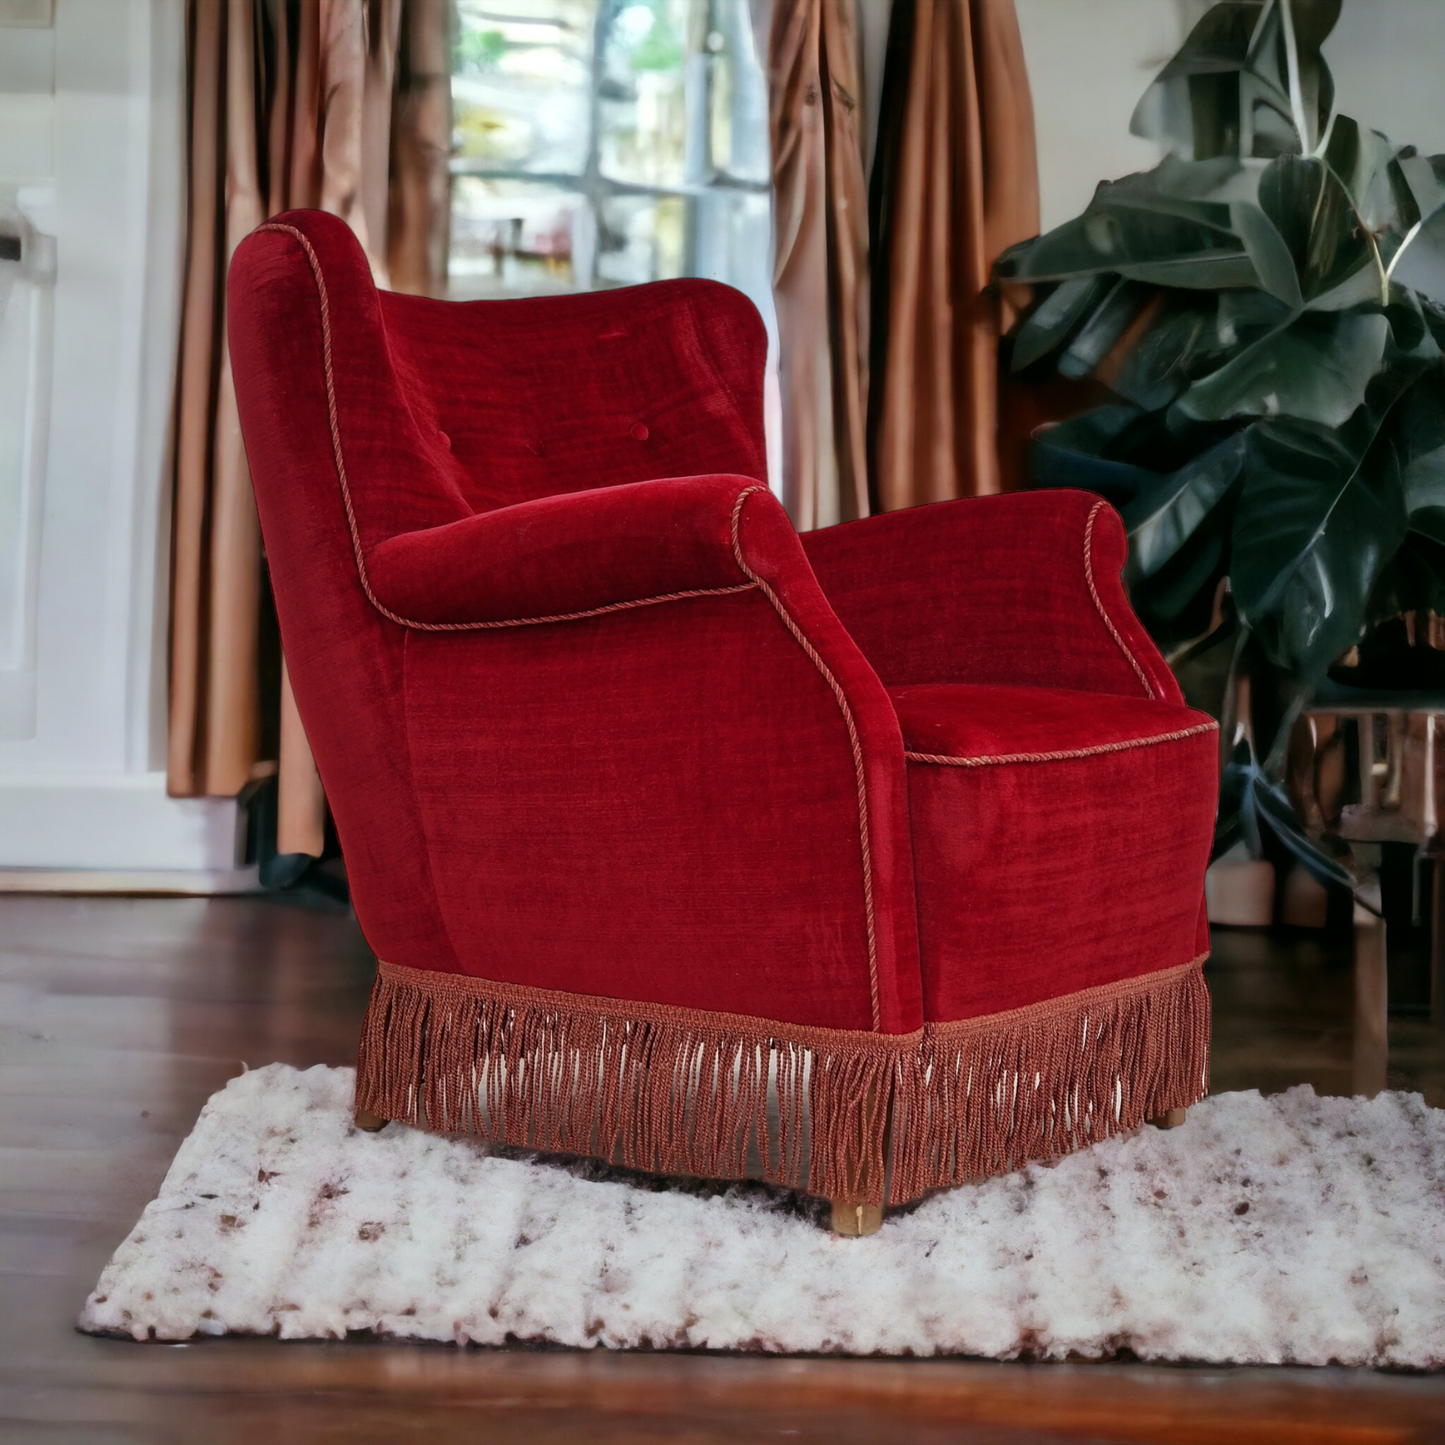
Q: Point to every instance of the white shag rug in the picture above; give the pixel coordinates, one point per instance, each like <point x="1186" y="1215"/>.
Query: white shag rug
<point x="1291" y="1229"/>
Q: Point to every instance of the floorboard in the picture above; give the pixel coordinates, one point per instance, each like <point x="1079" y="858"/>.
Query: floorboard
<point x="119" y="1016"/>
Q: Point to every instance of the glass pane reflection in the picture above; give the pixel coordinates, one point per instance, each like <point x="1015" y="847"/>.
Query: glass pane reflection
<point x="607" y="143"/>
<point x="514" y="238"/>
<point x="521" y="80"/>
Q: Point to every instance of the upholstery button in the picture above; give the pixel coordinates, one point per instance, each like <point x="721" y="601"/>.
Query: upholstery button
<point x="639" y="431"/>
<point x="445" y="440"/>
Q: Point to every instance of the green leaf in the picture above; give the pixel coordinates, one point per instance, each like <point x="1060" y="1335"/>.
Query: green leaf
<point x="1419" y="433"/>
<point x="1176" y="604"/>
<point x="1164" y="517"/>
<point x="1112" y="239"/>
<point x="1313" y="215"/>
<point x="1242" y="317"/>
<point x="1212" y="272"/>
<point x="1103" y="329"/>
<point x="1077" y="453"/>
<point x="1315" y="369"/>
<point x="1429" y="521"/>
<point x="1159" y="366"/>
<point x="1193" y="105"/>
<point x="1055" y="317"/>
<point x="1360" y="160"/>
<point x="1419" y="264"/>
<point x="1320" y="514"/>
<point x="1420" y="184"/>
<point x="1228" y="90"/>
<point x="1269" y="252"/>
<point x="1313" y="20"/>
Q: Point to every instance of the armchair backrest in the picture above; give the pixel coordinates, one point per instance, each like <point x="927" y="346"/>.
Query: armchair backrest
<point x="441" y="410"/>
<point x="450" y="408"/>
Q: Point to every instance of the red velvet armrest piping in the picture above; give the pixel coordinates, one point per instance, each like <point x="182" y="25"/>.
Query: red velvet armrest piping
<point x="570" y="555"/>
<point x="1016" y="589"/>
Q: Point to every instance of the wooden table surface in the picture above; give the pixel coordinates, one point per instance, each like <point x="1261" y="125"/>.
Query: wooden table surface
<point x="118" y="1017"/>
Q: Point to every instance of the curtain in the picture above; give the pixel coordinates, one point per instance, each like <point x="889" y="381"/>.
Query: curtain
<point x="955" y="182"/>
<point x="820" y="269"/>
<point x="337" y="104"/>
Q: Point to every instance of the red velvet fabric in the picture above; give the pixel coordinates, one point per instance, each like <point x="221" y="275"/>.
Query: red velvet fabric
<point x="992" y="589"/>
<point x="700" y="800"/>
<point x="977" y="721"/>
<point x="566" y="553"/>
<point x="1038" y="878"/>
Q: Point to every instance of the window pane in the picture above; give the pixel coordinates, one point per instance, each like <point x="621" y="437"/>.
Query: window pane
<point x="683" y="98"/>
<point x="643" y="111"/>
<point x="521" y="81"/>
<point x="607" y="143"/>
<point x="516" y="238"/>
<point x="732" y="242"/>
<point x="641" y="238"/>
<point x="738" y="96"/>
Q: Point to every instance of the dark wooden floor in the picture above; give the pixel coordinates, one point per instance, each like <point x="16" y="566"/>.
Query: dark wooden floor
<point x="119" y="1016"/>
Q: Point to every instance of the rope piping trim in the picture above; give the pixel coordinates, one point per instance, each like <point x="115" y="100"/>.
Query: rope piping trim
<point x="753" y="1028"/>
<point x="333" y="420"/>
<point x="332" y="417"/>
<point x="948" y="761"/>
<point x="1099" y="605"/>
<point x="853" y="741"/>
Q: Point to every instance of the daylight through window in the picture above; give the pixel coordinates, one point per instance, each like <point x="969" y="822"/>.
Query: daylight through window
<point x="607" y="142"/>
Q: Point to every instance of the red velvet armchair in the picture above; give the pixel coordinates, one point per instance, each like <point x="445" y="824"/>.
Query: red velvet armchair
<point x="653" y="809"/>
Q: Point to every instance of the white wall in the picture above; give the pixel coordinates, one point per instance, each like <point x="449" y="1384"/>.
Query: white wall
<point x="92" y="128"/>
<point x="1388" y="57"/>
<point x="1089" y="61"/>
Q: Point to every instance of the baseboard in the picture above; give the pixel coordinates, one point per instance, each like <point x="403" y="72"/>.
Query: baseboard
<point x="116" y="823"/>
<point x="174" y="881"/>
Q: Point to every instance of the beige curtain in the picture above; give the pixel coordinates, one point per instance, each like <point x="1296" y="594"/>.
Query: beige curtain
<point x="820" y="274"/>
<point x="955" y="182"/>
<point x="292" y="103"/>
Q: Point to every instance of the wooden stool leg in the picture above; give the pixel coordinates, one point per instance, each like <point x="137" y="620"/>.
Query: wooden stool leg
<point x="852" y="1217"/>
<point x="1169" y="1119"/>
<point x="371" y="1123"/>
<point x="1437" y="942"/>
<point x="1372" y="993"/>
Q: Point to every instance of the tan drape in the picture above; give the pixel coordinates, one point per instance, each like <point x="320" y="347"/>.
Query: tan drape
<point x="820" y="274"/>
<point x="421" y="185"/>
<point x="958" y="177"/>
<point x="291" y="104"/>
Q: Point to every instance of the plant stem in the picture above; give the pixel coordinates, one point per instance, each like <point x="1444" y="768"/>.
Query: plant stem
<point x="1296" y="92"/>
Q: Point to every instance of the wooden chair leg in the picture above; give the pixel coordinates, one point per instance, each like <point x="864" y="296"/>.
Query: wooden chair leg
<point x="1169" y="1119"/>
<point x="852" y="1217"/>
<point x="371" y="1123"/>
<point x="855" y="1219"/>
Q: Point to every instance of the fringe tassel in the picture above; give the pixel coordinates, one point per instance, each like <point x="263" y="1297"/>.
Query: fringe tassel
<point x="857" y="1115"/>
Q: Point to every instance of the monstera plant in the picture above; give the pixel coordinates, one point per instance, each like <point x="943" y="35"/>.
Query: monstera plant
<point x="1266" y="308"/>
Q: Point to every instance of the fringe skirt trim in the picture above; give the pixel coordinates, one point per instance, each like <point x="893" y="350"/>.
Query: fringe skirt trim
<point x="855" y="1115"/>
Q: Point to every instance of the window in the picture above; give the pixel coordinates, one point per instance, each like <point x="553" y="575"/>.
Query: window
<point x="602" y="143"/>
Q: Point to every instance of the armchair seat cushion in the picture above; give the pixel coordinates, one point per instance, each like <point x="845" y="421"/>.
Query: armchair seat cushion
<point x="1058" y="840"/>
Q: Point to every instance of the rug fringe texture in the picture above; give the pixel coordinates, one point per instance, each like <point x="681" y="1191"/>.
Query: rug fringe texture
<point x="883" y="1118"/>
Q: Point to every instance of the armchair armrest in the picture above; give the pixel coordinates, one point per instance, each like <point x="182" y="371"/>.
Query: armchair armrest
<point x="573" y="553"/>
<point x="1023" y="588"/>
<point x="716" y="712"/>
